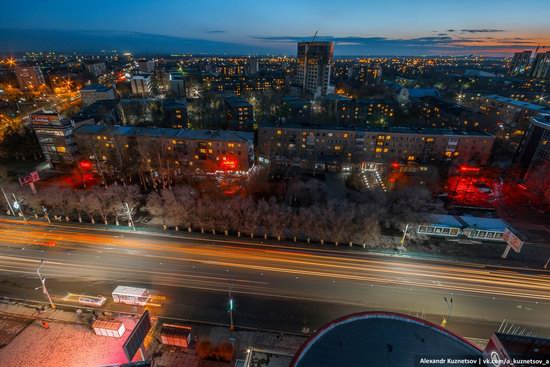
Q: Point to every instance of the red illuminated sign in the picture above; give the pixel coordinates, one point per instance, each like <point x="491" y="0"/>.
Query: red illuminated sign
<point x="468" y="169"/>
<point x="228" y="164"/>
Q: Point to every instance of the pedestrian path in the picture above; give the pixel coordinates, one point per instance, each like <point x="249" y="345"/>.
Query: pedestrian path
<point x="36" y="313"/>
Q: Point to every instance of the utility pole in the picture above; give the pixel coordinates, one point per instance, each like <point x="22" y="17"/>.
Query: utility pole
<point x="43" y="281"/>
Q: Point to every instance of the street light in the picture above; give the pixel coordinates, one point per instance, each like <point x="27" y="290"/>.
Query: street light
<point x="17" y="205"/>
<point x="43" y="281"/>
<point x="449" y="303"/>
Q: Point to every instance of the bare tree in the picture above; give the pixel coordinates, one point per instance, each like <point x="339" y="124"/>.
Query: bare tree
<point x="106" y="206"/>
<point x="155" y="206"/>
<point x="185" y="198"/>
<point x="60" y="199"/>
<point x="126" y="201"/>
<point x="91" y="205"/>
<point x="250" y="217"/>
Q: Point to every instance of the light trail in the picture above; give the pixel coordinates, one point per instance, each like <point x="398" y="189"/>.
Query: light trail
<point x="469" y="278"/>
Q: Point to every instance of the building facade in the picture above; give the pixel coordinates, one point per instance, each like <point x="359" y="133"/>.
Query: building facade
<point x="141" y="84"/>
<point x="96" y="68"/>
<point x="332" y="148"/>
<point x="534" y="156"/>
<point x="314" y="66"/>
<point x="158" y="148"/>
<point x="238" y="109"/>
<point x="520" y="63"/>
<point x="366" y="74"/>
<point x="54" y="134"/>
<point x="541" y="66"/>
<point x="175" y="113"/>
<point x="146" y="66"/>
<point x="177" y="85"/>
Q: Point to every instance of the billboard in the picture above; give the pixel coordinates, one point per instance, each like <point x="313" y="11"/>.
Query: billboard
<point x="512" y="240"/>
<point x="44" y="119"/>
<point x="135" y="340"/>
<point x="31" y="177"/>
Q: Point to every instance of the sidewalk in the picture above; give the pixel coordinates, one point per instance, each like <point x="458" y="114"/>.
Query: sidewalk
<point x="68" y="340"/>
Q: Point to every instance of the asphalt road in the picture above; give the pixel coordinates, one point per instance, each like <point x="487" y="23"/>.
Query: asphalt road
<point x="275" y="287"/>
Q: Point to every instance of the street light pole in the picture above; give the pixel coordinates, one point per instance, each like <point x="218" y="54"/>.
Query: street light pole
<point x="43" y="281"/>
<point x="231" y="326"/>
<point x="9" y="204"/>
<point x="450" y="307"/>
<point x="17" y="205"/>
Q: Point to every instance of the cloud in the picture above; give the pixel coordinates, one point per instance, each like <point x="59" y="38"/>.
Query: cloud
<point x="21" y="40"/>
<point x="482" y="30"/>
<point x="214" y="31"/>
<point x="450" y="30"/>
<point x="439" y="44"/>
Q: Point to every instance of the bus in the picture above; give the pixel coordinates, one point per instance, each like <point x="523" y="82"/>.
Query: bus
<point x="131" y="295"/>
<point x="94" y="301"/>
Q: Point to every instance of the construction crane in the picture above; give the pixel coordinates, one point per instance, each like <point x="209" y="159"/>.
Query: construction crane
<point x="314" y="36"/>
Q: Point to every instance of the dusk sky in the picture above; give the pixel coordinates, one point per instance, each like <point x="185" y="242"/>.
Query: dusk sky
<point x="389" y="27"/>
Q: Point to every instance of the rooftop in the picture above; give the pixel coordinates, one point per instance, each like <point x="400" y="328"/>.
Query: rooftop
<point x="235" y="101"/>
<point x="381" y="339"/>
<point x="95" y="88"/>
<point x="225" y="135"/>
<point x="542" y="120"/>
<point x="520" y="104"/>
<point x="394" y="130"/>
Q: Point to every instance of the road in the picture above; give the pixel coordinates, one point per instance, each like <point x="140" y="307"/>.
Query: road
<point x="275" y="287"/>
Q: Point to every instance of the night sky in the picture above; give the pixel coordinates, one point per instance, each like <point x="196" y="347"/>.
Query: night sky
<point x="389" y="27"/>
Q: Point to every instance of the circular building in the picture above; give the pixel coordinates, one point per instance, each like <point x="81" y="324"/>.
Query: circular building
<point x="384" y="339"/>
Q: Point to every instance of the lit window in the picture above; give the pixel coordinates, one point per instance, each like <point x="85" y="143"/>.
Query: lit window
<point x="336" y="147"/>
<point x="410" y="158"/>
<point x="279" y="132"/>
<point x="60" y="149"/>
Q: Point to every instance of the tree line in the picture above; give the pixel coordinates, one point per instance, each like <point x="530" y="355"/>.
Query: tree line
<point x="301" y="215"/>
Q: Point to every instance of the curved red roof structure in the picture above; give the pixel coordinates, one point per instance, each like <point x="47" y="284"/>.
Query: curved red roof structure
<point x="382" y="339"/>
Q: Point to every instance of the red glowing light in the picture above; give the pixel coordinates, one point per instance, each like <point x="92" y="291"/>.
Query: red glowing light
<point x="468" y="169"/>
<point x="395" y="165"/>
<point x="85" y="165"/>
<point x="228" y="164"/>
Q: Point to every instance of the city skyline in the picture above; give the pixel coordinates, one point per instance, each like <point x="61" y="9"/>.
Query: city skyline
<point x="496" y="28"/>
